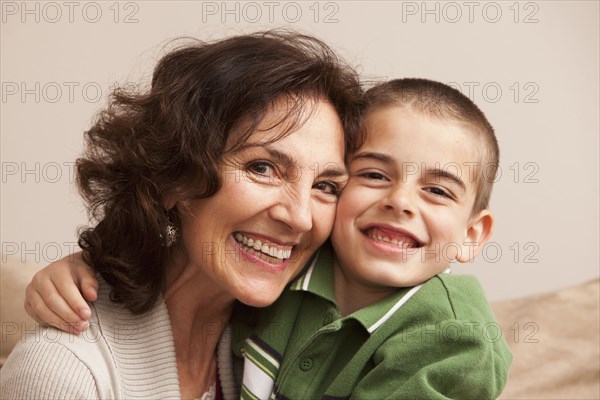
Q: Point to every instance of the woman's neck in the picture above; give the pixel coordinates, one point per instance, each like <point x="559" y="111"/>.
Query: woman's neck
<point x="192" y="297"/>
<point x="199" y="311"/>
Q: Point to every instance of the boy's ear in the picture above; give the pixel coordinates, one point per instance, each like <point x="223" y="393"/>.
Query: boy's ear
<point x="478" y="233"/>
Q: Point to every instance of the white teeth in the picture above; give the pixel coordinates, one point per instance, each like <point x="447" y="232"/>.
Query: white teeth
<point x="256" y="247"/>
<point x="397" y="242"/>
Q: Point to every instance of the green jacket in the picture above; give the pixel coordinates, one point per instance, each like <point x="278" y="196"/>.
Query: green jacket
<point x="438" y="340"/>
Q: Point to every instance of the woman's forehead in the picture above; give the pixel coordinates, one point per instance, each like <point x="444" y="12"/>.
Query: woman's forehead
<point x="285" y="117"/>
<point x="317" y="138"/>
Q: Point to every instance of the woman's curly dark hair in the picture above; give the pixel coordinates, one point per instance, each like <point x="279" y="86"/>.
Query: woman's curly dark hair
<point x="168" y="142"/>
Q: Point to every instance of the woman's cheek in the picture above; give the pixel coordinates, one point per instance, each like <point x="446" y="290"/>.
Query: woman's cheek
<point x="324" y="219"/>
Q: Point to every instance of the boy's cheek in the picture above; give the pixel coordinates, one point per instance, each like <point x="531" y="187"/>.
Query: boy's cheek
<point x="340" y="218"/>
<point x="345" y="200"/>
<point x="344" y="214"/>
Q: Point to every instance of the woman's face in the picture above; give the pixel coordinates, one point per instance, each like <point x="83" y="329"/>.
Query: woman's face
<point x="276" y="206"/>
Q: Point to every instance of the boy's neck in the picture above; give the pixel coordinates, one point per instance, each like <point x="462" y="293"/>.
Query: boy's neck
<point x="352" y="295"/>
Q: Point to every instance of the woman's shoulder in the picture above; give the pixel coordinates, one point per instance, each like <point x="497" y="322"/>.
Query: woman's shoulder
<point x="120" y="327"/>
<point x="141" y="346"/>
<point x="50" y="363"/>
<point x="102" y="362"/>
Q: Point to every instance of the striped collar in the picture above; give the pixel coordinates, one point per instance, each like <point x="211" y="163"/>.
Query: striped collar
<point x="318" y="280"/>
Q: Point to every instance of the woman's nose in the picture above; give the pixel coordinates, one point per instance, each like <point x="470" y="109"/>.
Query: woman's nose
<point x="294" y="210"/>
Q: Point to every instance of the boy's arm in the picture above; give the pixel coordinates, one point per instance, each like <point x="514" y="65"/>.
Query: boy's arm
<point x="53" y="296"/>
<point x="451" y="360"/>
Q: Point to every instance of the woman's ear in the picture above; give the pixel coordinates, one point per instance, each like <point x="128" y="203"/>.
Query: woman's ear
<point x="170" y="202"/>
<point x="478" y="233"/>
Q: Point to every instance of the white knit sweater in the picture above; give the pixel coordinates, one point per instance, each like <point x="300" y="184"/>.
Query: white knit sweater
<point x="121" y="356"/>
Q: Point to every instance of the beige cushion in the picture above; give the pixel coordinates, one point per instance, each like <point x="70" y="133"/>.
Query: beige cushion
<point x="555" y="341"/>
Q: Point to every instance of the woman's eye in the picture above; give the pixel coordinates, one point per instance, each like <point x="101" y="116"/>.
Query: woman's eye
<point x="327" y="188"/>
<point x="261" y="168"/>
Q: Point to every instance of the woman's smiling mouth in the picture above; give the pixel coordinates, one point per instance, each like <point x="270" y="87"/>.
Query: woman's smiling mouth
<point x="269" y="252"/>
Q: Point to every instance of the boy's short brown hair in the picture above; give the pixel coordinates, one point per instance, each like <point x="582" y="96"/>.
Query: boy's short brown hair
<point x="442" y="102"/>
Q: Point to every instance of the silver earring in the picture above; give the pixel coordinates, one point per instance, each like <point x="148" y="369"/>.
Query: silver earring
<point x="172" y="233"/>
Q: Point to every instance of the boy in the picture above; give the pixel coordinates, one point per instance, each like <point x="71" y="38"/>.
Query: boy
<point x="380" y="318"/>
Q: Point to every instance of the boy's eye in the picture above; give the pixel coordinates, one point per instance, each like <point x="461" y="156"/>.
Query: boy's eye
<point x="374" y="175"/>
<point x="327" y="188"/>
<point x="438" y="192"/>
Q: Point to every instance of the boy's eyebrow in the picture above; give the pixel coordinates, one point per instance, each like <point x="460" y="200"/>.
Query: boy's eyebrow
<point x="436" y="172"/>
<point x="384" y="158"/>
<point x="440" y="173"/>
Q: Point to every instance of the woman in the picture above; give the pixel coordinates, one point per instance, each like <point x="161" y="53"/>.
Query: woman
<point x="216" y="186"/>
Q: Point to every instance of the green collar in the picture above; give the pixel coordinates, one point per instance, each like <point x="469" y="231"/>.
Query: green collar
<point x="318" y="280"/>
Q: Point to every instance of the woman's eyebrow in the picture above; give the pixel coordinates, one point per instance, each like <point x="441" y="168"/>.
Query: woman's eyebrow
<point x="282" y="158"/>
<point x="328" y="170"/>
<point x="332" y="170"/>
<point x="285" y="159"/>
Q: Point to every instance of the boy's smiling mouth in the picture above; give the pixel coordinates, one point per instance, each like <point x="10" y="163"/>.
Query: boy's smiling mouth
<point x="392" y="236"/>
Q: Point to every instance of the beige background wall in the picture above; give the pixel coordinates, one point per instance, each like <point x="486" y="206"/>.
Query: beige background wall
<point x="533" y="67"/>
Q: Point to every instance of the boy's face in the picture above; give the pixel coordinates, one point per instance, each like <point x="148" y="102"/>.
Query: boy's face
<point x="406" y="212"/>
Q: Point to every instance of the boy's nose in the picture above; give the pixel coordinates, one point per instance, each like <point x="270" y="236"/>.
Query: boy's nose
<point x="400" y="201"/>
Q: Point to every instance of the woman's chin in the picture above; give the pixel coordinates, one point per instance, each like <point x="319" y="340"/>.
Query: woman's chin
<point x="259" y="299"/>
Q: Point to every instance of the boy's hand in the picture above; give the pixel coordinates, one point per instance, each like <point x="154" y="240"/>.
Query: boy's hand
<point x="53" y="297"/>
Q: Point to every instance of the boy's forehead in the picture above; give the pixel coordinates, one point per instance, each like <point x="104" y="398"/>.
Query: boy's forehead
<point x="399" y="130"/>
<point x="409" y="138"/>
